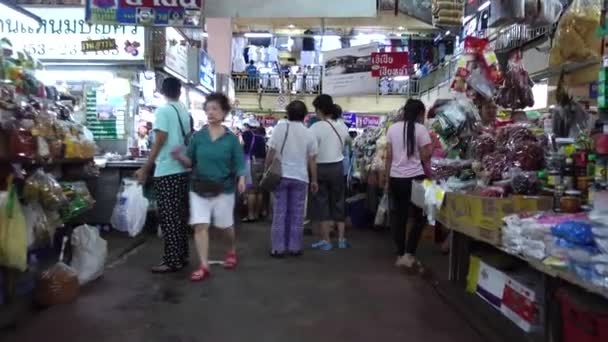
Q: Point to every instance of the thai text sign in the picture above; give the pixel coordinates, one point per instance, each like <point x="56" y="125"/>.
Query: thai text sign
<point x="61" y="32"/>
<point x="390" y="64"/>
<point x="175" y="13"/>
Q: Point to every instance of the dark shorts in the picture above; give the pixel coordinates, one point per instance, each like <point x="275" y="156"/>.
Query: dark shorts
<point x="328" y="204"/>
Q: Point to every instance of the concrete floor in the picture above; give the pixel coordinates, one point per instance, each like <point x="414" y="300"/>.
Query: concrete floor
<point x="352" y="295"/>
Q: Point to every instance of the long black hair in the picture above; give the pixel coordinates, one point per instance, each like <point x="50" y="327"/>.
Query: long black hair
<point x="411" y="111"/>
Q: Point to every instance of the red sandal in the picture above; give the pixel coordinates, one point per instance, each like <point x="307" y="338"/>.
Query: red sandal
<point x="201" y="274"/>
<point x="231" y="261"/>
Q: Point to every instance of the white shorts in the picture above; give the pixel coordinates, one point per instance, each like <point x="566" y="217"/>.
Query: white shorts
<point x="217" y="211"/>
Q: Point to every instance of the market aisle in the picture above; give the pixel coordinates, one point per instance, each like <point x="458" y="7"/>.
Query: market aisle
<point x="353" y="295"/>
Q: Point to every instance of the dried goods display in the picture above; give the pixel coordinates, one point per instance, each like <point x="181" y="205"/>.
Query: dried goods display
<point x="516" y="91"/>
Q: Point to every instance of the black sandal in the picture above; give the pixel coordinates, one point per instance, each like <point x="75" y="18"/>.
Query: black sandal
<point x="248" y="220"/>
<point x="164" y="268"/>
<point x="296" y="254"/>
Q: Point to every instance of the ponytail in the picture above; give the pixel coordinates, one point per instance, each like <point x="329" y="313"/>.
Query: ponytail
<point x="412" y="109"/>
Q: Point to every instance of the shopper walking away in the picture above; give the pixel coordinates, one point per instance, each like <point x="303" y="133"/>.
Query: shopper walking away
<point x="254" y="146"/>
<point x="216" y="158"/>
<point x="171" y="126"/>
<point x="329" y="206"/>
<point x="296" y="147"/>
<point x="409" y="145"/>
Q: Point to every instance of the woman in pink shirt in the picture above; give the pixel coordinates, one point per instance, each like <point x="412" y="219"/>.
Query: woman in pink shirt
<point x="409" y="145"/>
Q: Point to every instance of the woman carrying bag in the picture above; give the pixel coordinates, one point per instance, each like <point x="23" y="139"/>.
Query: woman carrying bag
<point x="218" y="169"/>
<point x="292" y="146"/>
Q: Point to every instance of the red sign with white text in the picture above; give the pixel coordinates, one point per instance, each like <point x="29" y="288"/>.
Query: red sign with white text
<point x="390" y="64"/>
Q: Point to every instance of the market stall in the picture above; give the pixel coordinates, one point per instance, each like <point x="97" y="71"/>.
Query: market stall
<point x="527" y="188"/>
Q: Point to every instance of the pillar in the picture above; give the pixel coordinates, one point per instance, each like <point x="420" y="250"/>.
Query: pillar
<point x="219" y="43"/>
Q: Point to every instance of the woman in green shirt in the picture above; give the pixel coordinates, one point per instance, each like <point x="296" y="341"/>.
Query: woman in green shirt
<point x="218" y="169"/>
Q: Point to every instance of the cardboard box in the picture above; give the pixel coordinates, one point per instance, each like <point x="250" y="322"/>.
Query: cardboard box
<point x="521" y="301"/>
<point x="491" y="284"/>
<point x="481" y="217"/>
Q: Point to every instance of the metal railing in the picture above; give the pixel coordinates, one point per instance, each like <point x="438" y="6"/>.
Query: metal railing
<point x="275" y="83"/>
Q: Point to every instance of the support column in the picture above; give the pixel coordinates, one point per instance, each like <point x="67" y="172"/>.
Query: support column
<point x="219" y="43"/>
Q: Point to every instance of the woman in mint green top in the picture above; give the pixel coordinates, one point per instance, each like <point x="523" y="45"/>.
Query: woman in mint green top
<point x="217" y="161"/>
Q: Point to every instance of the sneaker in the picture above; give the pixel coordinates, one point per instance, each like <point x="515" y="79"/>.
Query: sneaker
<point x="343" y="244"/>
<point x="322" y="245"/>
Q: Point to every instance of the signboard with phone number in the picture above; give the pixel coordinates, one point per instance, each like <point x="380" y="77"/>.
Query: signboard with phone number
<point x="62" y="30"/>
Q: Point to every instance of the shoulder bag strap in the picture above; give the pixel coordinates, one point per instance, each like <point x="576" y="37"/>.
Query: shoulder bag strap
<point x="181" y="126"/>
<point x="336" y="131"/>
<point x="285" y="139"/>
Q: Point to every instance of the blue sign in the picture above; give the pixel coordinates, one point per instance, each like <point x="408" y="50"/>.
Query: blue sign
<point x="350" y="119"/>
<point x="175" y="13"/>
<point x="207" y="72"/>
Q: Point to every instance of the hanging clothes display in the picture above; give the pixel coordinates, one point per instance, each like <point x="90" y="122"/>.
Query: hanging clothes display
<point x="308" y="43"/>
<point x="273" y="54"/>
<point x="238" y="59"/>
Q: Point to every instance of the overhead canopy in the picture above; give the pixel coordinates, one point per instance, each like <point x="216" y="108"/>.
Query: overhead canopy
<point x="12" y="10"/>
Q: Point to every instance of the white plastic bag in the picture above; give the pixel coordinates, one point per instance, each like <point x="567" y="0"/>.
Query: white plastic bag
<point x="381" y="214"/>
<point x="89" y="253"/>
<point x="131" y="207"/>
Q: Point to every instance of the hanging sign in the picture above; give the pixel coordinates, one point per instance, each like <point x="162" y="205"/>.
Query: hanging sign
<point x="346" y="72"/>
<point x="99" y="45"/>
<point x="390" y="64"/>
<point x="350" y="119"/>
<point x="62" y="31"/>
<point x="206" y="76"/>
<point x="174" y="13"/>
<point x="368" y="121"/>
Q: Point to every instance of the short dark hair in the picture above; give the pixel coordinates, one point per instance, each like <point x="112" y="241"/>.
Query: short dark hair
<point x="325" y="104"/>
<point x="171" y="88"/>
<point x="221" y="99"/>
<point x="296" y="111"/>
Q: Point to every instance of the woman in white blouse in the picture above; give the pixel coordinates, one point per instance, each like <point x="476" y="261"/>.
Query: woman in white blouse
<point x="329" y="202"/>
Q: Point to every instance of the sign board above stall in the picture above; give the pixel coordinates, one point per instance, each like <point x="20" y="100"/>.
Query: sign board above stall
<point x="59" y="36"/>
<point x="181" y="60"/>
<point x="207" y="72"/>
<point x="289" y="9"/>
<point x="175" y="13"/>
<point x="390" y="64"/>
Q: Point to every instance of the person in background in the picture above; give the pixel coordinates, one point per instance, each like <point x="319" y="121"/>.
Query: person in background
<point x="252" y="73"/>
<point x="143" y="140"/>
<point x="254" y="146"/>
<point x="218" y="165"/>
<point x="297" y="149"/>
<point x="408" y="146"/>
<point x="329" y="203"/>
<point x="488" y="112"/>
<point x="171" y="179"/>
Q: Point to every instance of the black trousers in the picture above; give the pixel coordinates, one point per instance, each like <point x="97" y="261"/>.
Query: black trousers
<point x="173" y="211"/>
<point x="401" y="207"/>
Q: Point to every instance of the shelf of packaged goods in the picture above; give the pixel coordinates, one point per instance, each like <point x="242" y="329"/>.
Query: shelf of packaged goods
<point x="553" y="272"/>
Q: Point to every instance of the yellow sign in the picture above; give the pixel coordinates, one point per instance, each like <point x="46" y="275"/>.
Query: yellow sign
<point x="99" y="45"/>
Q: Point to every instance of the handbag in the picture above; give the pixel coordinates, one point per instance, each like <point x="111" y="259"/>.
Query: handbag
<point x="181" y="126"/>
<point x="272" y="175"/>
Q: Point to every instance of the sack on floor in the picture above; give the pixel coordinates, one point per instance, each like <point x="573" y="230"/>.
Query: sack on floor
<point x="89" y="253"/>
<point x="131" y="208"/>
<point x="59" y="284"/>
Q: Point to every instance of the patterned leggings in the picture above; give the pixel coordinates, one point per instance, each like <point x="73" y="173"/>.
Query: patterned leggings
<point x="288" y="215"/>
<point x="172" y="199"/>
